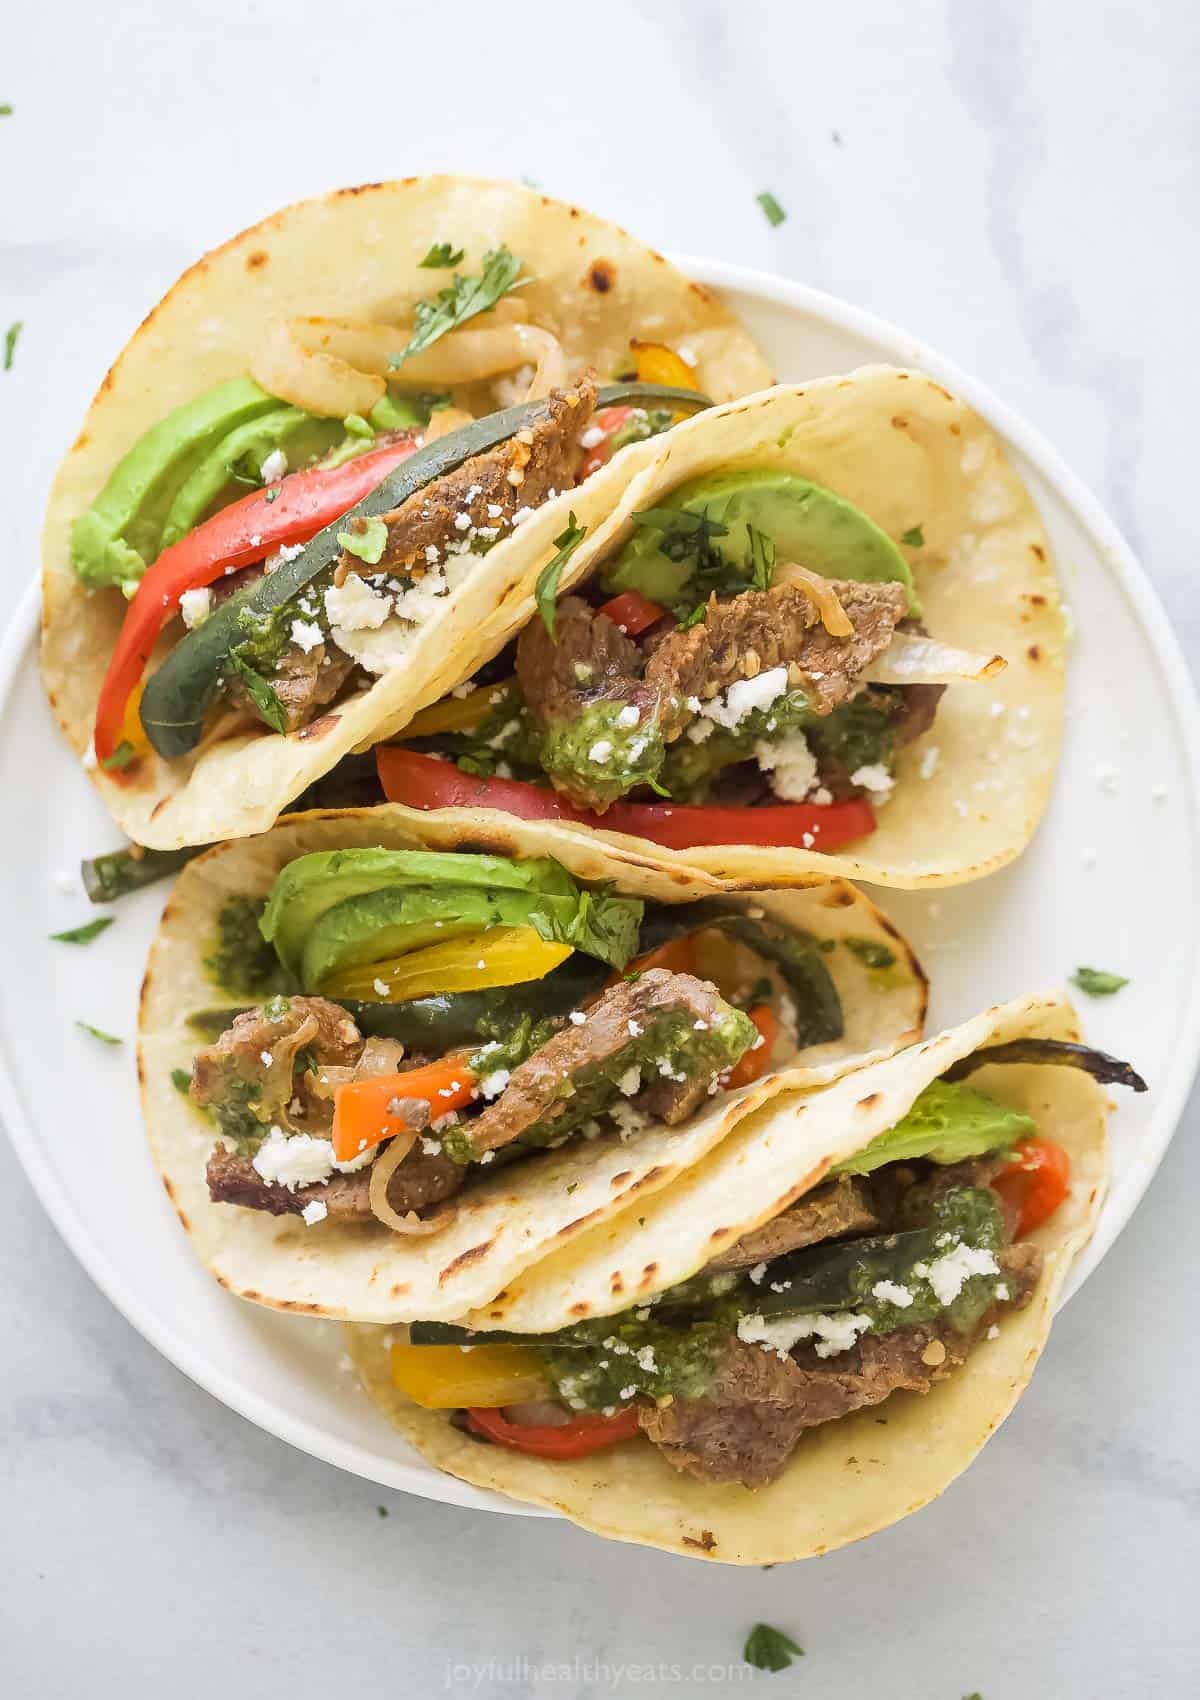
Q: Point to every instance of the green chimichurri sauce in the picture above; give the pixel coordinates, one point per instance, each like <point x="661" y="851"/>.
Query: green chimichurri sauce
<point x="241" y="962"/>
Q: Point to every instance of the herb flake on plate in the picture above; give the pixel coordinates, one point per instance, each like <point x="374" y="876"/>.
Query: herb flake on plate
<point x="770" y="206"/>
<point x="10" y="342"/>
<point x="1098" y="982"/>
<point x="86" y="933"/>
<point x="770" y="1649"/>
<point x="99" y="1033"/>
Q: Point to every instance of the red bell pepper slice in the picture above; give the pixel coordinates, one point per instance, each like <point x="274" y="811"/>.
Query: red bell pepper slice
<point x="574" y="1439"/>
<point x="244" y="532"/>
<point x="633" y="613"/>
<point x="424" y="782"/>
<point x="755" y="1061"/>
<point x="1034" y="1185"/>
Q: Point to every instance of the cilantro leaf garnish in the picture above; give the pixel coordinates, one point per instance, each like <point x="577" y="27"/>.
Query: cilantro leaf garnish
<point x="121" y="757"/>
<point x="546" y="590"/>
<point x="10" y="342"/>
<point x="914" y="537"/>
<point x="6" y="109"/>
<point x="770" y="1649"/>
<point x="99" y="1033"/>
<point x="762" y="557"/>
<point x="244" y="471"/>
<point x="368" y="544"/>
<point x="768" y="203"/>
<point x="442" y="254"/>
<point x="181" y="1080"/>
<point x="460" y="301"/>
<point x="260" y="691"/>
<point x="1098" y="982"/>
<point x="85" y="934"/>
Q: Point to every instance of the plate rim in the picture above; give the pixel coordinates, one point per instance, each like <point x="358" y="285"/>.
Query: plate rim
<point x="1145" y="607"/>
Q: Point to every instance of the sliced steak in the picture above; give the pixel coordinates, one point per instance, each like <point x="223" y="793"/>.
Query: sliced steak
<point x="570" y="1079"/>
<point x="303" y="680"/>
<point x="254" y="1061"/>
<point x="745" y="1428"/>
<point x="589" y="659"/>
<point x="764" y="629"/>
<point x="842" y="1206"/>
<point x="419" y="1181"/>
<point x="522" y="472"/>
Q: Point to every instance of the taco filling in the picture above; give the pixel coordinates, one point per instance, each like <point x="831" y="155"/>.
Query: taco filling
<point x="420" y="1016"/>
<point x="882" y="1279"/>
<point x="745" y="669"/>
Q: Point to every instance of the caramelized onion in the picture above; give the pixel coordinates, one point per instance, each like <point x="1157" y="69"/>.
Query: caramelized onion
<point x="913" y="660"/>
<point x="384" y="1168"/>
<point x="820" y="593"/>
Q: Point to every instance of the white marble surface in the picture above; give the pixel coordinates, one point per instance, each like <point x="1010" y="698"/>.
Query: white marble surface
<point x="1017" y="184"/>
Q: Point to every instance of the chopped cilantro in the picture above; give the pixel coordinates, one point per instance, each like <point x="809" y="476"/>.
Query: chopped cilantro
<point x="121" y="757"/>
<point x="10" y="342"/>
<point x="571" y="1187"/>
<point x="260" y="691"/>
<point x="382" y="1510"/>
<point x="460" y="301"/>
<point x="6" y="109"/>
<point x="244" y="471"/>
<point x="546" y="589"/>
<point x="768" y="203"/>
<point x="1097" y="982"/>
<point x="770" y="1649"/>
<point x="181" y="1080"/>
<point x="273" y="493"/>
<point x="85" y="934"/>
<point x="442" y="254"/>
<point x="762" y="558"/>
<point x="914" y="537"/>
<point x="871" y="953"/>
<point x="368" y="543"/>
<point x="99" y="1033"/>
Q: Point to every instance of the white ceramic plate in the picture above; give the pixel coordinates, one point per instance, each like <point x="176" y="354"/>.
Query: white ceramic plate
<point x="1109" y="881"/>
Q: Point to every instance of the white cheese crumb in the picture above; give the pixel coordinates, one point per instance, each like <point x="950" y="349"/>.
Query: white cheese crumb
<point x="646" y="1359"/>
<point x="628" y="1392"/>
<point x="66" y="882"/>
<point x="1108" y="778"/>
<point x="929" y="760"/>
<point x="495" y="511"/>
<point x="757" y="1273"/>
<point x="195" y="606"/>
<point x="315" y="1212"/>
<point x="630" y="1082"/>
<point x="993" y="1332"/>
<point x="592" y="437"/>
<point x="306" y="634"/>
<point x="629" y="716"/>
<point x="948" y="1274"/>
<point x="635" y="1029"/>
<point x="600" y="750"/>
<point x="354" y="606"/>
<point x="380" y="986"/>
<point x="577" y="1018"/>
<point x="431" y="1147"/>
<point x="744" y="696"/>
<point x="876" y="779"/>
<point x="265" y="1058"/>
<point x="274" y="467"/>
<point x="299" y="1160"/>
<point x="791" y="765"/>
<point x="493" y="1084"/>
<point x="289" y="551"/>
<point x="834" y="1334"/>
<point x="891" y="1293"/>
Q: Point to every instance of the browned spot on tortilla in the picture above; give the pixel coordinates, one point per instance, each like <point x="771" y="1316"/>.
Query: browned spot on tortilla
<point x="399" y="1288"/>
<point x="365" y="188"/>
<point x="158" y="807"/>
<point x="602" y="276"/>
<point x="839" y="898"/>
<point x="623" y="1176"/>
<point x="1038" y="551"/>
<point x="258" y="258"/>
<point x="574" y="211"/>
<point x="169" y="1188"/>
<point x="1036" y="597"/>
<point x="318" y="727"/>
<point x="902" y="377"/>
<point x="956" y="430"/>
<point x="717" y="1232"/>
<point x="940" y="390"/>
<point x="465" y="1259"/>
<point x="1033" y="652"/>
<point x="871" y="1098"/>
<point x="705" y="1540"/>
<point x="617" y="1285"/>
<point x="251" y="1294"/>
<point x="900" y="422"/>
<point x="580" y="1309"/>
<point x="141" y="1073"/>
<point x="648" y="1178"/>
<point x="579" y="1221"/>
<point x="301" y="1307"/>
<point x="886" y="926"/>
<point x="81" y="441"/>
<point x="649" y="1272"/>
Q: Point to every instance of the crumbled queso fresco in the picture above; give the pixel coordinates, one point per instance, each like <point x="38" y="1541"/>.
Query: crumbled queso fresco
<point x="833" y="1334"/>
<point x="301" y="1160"/>
<point x="743" y="697"/>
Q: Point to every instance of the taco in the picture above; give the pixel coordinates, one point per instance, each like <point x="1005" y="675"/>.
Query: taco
<point x="308" y="468"/>
<point x="827" y="634"/>
<point x="382" y="1072"/>
<point x="807" y="1335"/>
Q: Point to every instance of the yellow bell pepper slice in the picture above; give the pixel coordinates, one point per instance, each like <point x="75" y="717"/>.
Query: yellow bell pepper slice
<point x="454" y="714"/>
<point x="655" y="363"/>
<point x="441" y="1378"/>
<point x="492" y="956"/>
<point x="132" y="730"/>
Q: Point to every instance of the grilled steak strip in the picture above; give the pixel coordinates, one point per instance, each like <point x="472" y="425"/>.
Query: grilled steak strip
<point x="842" y="1206"/>
<point x="420" y="1180"/>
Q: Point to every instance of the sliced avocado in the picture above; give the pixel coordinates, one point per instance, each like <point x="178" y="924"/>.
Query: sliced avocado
<point x="393" y="412"/>
<point x="377" y="926"/>
<point x="807" y="524"/>
<point x="120" y="534"/>
<point x="213" y="483"/>
<point x="311" y="884"/>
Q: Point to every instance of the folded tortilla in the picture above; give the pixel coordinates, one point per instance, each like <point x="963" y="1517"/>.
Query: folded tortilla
<point x="355" y="253"/>
<point x="849" y="1477"/>
<point x="509" y="1219"/>
<point x="970" y="793"/>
